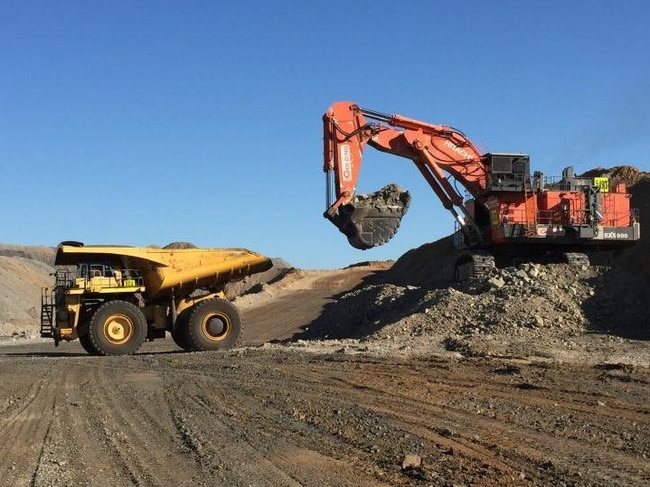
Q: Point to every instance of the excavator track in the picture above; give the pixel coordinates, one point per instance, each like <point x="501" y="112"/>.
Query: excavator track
<point x="576" y="258"/>
<point x="370" y="220"/>
<point x="473" y="266"/>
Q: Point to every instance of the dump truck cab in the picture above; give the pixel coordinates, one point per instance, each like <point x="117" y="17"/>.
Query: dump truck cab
<point x="113" y="298"/>
<point x="103" y="278"/>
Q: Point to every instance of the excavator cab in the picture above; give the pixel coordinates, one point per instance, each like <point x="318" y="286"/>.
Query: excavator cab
<point x="370" y="220"/>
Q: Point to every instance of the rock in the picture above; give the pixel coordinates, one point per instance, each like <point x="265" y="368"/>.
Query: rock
<point x="496" y="282"/>
<point x="411" y="461"/>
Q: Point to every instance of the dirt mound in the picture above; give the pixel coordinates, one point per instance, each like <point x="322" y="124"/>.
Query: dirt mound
<point x="528" y="297"/>
<point x="180" y="245"/>
<point x="554" y="311"/>
<point x="430" y="264"/>
<point x="619" y="174"/>
<point x="255" y="282"/>
<point x="38" y="253"/>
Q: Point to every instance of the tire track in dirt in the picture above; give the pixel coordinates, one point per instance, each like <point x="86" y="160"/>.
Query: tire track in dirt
<point x="292" y="415"/>
<point x="73" y="454"/>
<point x="531" y="439"/>
<point x="129" y="416"/>
<point x="517" y="450"/>
<point x="265" y="452"/>
<point x="23" y="431"/>
<point x="394" y="414"/>
<point x="112" y="427"/>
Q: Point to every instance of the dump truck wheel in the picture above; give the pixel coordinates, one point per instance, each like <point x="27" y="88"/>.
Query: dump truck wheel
<point x="88" y="345"/>
<point x="117" y="328"/>
<point x="179" y="334"/>
<point x="84" y="339"/>
<point x="214" y="324"/>
<point x="180" y="339"/>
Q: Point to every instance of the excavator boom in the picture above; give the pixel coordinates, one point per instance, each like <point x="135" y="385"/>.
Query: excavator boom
<point x="369" y="220"/>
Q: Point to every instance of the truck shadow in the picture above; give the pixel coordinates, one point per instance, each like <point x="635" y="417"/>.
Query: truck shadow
<point x="363" y="310"/>
<point x="37" y="351"/>
<point x="43" y="354"/>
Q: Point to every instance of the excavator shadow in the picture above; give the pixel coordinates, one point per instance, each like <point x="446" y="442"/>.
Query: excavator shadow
<point x="363" y="310"/>
<point x="618" y="306"/>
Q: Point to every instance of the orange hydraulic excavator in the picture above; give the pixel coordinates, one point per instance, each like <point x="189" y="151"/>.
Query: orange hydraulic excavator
<point x="508" y="214"/>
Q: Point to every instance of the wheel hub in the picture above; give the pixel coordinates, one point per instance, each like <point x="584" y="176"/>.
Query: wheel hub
<point x="216" y="327"/>
<point x="118" y="329"/>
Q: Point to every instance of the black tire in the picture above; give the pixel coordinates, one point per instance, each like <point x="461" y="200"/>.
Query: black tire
<point x="214" y="324"/>
<point x="84" y="339"/>
<point x="87" y="345"/>
<point x="179" y="334"/>
<point x="117" y="328"/>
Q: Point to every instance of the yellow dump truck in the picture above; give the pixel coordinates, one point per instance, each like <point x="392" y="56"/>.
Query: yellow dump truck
<point x="113" y="298"/>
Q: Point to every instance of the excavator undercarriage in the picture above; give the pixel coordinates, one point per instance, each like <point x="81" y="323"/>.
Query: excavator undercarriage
<point x="473" y="265"/>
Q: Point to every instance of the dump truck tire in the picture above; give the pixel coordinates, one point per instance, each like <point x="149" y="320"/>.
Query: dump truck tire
<point x="214" y="324"/>
<point x="179" y="333"/>
<point x="117" y="328"/>
<point x="87" y="345"/>
<point x="180" y="338"/>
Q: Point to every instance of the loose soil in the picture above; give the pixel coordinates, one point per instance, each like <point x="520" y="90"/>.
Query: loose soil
<point x="380" y="374"/>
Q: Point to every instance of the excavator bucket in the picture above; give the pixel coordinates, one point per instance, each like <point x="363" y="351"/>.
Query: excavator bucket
<point x="370" y="220"/>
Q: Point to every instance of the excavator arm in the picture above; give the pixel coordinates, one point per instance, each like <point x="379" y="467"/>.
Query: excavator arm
<point x="373" y="219"/>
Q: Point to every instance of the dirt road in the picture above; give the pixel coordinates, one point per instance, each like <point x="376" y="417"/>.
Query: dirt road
<point x="273" y="415"/>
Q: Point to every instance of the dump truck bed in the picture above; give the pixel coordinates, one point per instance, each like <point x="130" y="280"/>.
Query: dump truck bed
<point x="171" y="271"/>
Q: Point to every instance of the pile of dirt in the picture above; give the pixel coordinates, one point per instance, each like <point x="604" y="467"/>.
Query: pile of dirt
<point x="529" y="297"/>
<point x="528" y="310"/>
<point x="255" y="283"/>
<point x="628" y="175"/>
<point x="37" y="253"/>
<point x="179" y="245"/>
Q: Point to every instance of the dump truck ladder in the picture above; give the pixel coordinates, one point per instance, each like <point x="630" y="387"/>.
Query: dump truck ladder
<point x="47" y="314"/>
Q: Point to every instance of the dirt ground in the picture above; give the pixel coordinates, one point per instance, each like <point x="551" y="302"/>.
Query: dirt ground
<point x="380" y="374"/>
<point x="313" y="412"/>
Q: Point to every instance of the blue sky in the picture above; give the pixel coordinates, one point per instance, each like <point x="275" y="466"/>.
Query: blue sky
<point x="146" y="122"/>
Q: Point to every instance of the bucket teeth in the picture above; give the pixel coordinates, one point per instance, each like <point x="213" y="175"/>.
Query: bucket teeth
<point x="371" y="220"/>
